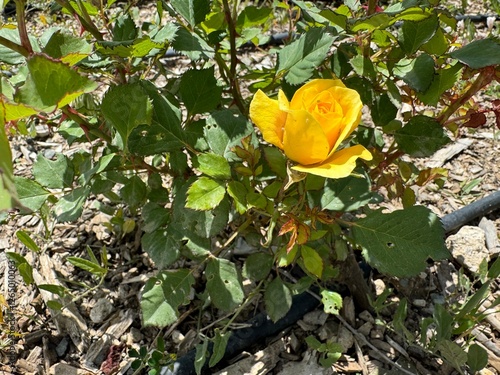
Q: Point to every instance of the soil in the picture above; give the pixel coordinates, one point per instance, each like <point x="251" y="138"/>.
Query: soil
<point x="102" y="321"/>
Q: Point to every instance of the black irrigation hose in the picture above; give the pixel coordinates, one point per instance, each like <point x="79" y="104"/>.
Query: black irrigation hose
<point x="261" y="326"/>
<point x="465" y="214"/>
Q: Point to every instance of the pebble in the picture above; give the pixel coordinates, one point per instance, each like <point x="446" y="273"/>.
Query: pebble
<point x="62" y="347"/>
<point x="345" y="338"/>
<point x="366" y="316"/>
<point x="49" y="153"/>
<point x="419" y="302"/>
<point x="317" y="317"/>
<point x="379" y="286"/>
<point x="101" y="310"/>
<point x="365" y="329"/>
<point x="468" y="247"/>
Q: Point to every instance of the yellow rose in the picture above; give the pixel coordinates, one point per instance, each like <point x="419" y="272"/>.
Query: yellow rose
<point x="311" y="127"/>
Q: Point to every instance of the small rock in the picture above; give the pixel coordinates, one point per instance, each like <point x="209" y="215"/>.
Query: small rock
<point x="379" y="286"/>
<point x="101" y="310"/>
<point x="328" y="330"/>
<point x="294" y="343"/>
<point x="348" y="310"/>
<point x="305" y="326"/>
<point x="62" y="347"/>
<point x="366" y="316"/>
<point x="365" y="329"/>
<point x="468" y="247"/>
<point x="491" y="236"/>
<point x="419" y="302"/>
<point x="317" y="317"/>
<point x="177" y="336"/>
<point x="135" y="335"/>
<point x="345" y="338"/>
<point x="49" y="153"/>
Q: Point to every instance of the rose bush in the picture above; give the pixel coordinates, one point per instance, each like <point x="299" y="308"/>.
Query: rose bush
<point x="311" y="127"/>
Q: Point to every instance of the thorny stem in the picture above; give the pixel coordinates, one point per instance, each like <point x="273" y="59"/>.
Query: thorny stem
<point x="372" y="5"/>
<point x="21" y="26"/>
<point x="14" y="46"/>
<point x="85" y="125"/>
<point x="235" y="88"/>
<point x="88" y="26"/>
<point x="485" y="77"/>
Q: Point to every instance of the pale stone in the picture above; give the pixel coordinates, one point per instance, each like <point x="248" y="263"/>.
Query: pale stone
<point x="468" y="247"/>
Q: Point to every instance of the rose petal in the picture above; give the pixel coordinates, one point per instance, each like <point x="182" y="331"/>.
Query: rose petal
<point x="350" y="102"/>
<point x="308" y="92"/>
<point x="304" y="140"/>
<point x="269" y="116"/>
<point x="339" y="165"/>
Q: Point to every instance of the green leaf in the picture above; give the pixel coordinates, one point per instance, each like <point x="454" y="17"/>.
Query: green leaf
<point x="276" y="160"/>
<point x="205" y="194"/>
<point x="414" y="34"/>
<point x="477" y="358"/>
<point x="200" y="356"/>
<point x="201" y="223"/>
<point x="363" y="66"/>
<point x="312" y="261"/>
<point x="224" y="130"/>
<point x="494" y="270"/>
<point x="167" y="116"/>
<point x="193" y="11"/>
<point x="70" y="206"/>
<point x="437" y="45"/>
<point x="253" y="16"/>
<point x="417" y="73"/>
<point x="223" y="284"/>
<point x="373" y="22"/>
<point x="345" y="194"/>
<point x="154" y="216"/>
<point x="479" y="53"/>
<point x="31" y="195"/>
<point x="220" y="345"/>
<point x="51" y="84"/>
<point x="442" y="81"/>
<point x="213" y="165"/>
<point x="301" y="57"/>
<point x="192" y="45"/>
<point x="452" y="352"/>
<point x="124" y="28"/>
<point x="161" y="246"/>
<point x="162" y="296"/>
<point x="24" y="268"/>
<point x="199" y="90"/>
<point x="257" y="266"/>
<point x="393" y="244"/>
<point x="126" y="107"/>
<point x="27" y="241"/>
<point x="332" y="302"/>
<point x="87" y="265"/>
<point x="278" y="299"/>
<point x="54" y="289"/>
<point x="238" y="192"/>
<point x="421" y="136"/>
<point x="134" y="191"/>
<point x="7" y="189"/>
<point x="383" y="110"/>
<point x="66" y="47"/>
<point x="53" y="174"/>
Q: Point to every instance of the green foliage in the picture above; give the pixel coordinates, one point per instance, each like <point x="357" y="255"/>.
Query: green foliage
<point x="393" y="243"/>
<point x="179" y="161"/>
